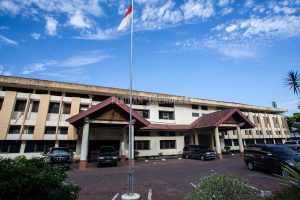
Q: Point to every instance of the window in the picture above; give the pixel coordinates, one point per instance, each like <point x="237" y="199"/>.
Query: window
<point x="20" y="106"/>
<point x="142" y="133"/>
<point x="204" y="108"/>
<point x="63" y="130"/>
<point x="250" y="132"/>
<point x="166" y="133"/>
<point x="195" y="107"/>
<point x="10" y="146"/>
<point x="53" y="107"/>
<point x="142" y="145"/>
<point x="143" y="113"/>
<point x="35" y="106"/>
<point x="236" y="142"/>
<point x="77" y="95"/>
<point x="278" y="141"/>
<point x="1" y="103"/>
<point x="38" y="146"/>
<point x="269" y="141"/>
<point x="50" y="130"/>
<point x="259" y="132"/>
<point x="14" y="129"/>
<point x="67" y="108"/>
<point x="21" y="90"/>
<point x="66" y="143"/>
<point x="166" y="115"/>
<point x="276" y="122"/>
<point x="29" y="130"/>
<point x="228" y="142"/>
<point x="168" y="144"/>
<point x="260" y="141"/>
<point x="83" y="108"/>
<point x="54" y="93"/>
<point x="249" y="141"/>
<point x="267" y="121"/>
<point x="195" y="115"/>
<point x="41" y="92"/>
<point x="169" y="105"/>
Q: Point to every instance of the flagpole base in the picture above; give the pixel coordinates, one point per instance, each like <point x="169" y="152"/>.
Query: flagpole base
<point x="133" y="196"/>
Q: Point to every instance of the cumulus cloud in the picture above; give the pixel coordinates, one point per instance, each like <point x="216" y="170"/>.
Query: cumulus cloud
<point x="78" y="20"/>
<point x="197" y="8"/>
<point x="36" y="36"/>
<point x="9" y="6"/>
<point x="51" y="26"/>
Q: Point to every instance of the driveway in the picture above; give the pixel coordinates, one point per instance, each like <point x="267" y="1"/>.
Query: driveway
<point x="170" y="179"/>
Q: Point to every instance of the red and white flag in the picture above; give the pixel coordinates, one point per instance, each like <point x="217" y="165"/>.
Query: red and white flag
<point x="126" y="19"/>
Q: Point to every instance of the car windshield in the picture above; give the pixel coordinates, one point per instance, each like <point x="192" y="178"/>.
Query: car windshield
<point x="201" y="147"/>
<point x="107" y="151"/>
<point x="283" y="150"/>
<point x="60" y="151"/>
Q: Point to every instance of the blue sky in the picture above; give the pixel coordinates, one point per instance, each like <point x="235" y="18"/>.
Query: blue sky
<point x="228" y="50"/>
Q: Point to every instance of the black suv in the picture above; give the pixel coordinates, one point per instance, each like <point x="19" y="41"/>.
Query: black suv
<point x="107" y="155"/>
<point x="59" y="156"/>
<point x="270" y="157"/>
<point x="198" y="152"/>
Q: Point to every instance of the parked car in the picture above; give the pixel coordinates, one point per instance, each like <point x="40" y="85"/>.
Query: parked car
<point x="59" y="156"/>
<point x="294" y="144"/>
<point x="107" y="155"/>
<point x="270" y="157"/>
<point x="198" y="152"/>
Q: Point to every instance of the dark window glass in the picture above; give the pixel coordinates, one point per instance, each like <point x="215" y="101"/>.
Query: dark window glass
<point x="142" y="133"/>
<point x="50" y="130"/>
<point x="22" y="90"/>
<point x="48" y="145"/>
<point x="204" y="108"/>
<point x="166" y="115"/>
<point x="35" y="106"/>
<point x="195" y="114"/>
<point x="53" y="107"/>
<point x="260" y="141"/>
<point x="40" y="146"/>
<point x="86" y="96"/>
<point x="269" y="141"/>
<point x="99" y="98"/>
<point x="236" y="142"/>
<point x="83" y="108"/>
<point x="29" y="129"/>
<point x="4" y="146"/>
<point x="67" y="108"/>
<point x="169" y="105"/>
<point x="168" y="144"/>
<point x="167" y="133"/>
<point x="1" y="103"/>
<point x="20" y="105"/>
<point x="143" y="113"/>
<point x="14" y="129"/>
<point x="68" y="143"/>
<point x="249" y="141"/>
<point x="54" y="93"/>
<point x="142" y="145"/>
<point x="227" y="142"/>
<point x="195" y="107"/>
<point x="64" y="130"/>
<point x="278" y="140"/>
<point x="30" y="146"/>
<point x="41" y="92"/>
<point x="15" y="147"/>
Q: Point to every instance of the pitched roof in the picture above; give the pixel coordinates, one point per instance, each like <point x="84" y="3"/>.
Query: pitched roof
<point x="217" y="118"/>
<point x="110" y="101"/>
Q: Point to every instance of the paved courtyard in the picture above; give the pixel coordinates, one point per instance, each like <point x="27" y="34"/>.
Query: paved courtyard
<point x="169" y="179"/>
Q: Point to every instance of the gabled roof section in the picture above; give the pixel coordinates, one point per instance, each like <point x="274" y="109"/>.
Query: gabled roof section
<point x="217" y="118"/>
<point x="110" y="101"/>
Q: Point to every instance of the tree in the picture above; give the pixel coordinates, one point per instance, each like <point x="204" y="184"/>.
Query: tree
<point x="293" y="81"/>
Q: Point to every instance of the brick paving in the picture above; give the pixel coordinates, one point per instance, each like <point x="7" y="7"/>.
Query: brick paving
<point x="168" y="179"/>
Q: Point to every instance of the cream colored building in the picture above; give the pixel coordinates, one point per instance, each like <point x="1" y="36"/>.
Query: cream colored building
<point x="37" y="114"/>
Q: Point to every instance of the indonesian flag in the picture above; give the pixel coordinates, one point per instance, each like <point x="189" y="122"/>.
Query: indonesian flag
<point x="126" y="19"/>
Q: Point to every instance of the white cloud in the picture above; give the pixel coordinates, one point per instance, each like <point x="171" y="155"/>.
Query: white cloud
<point x="78" y="20"/>
<point x="197" y="8"/>
<point x="72" y="62"/>
<point x="99" y="34"/>
<point x="51" y="26"/>
<point x="5" y="71"/>
<point x="9" y="6"/>
<point x="36" y="36"/>
<point x="6" y="40"/>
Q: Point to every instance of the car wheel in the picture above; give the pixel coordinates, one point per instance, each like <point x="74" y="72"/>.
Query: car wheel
<point x="202" y="157"/>
<point x="187" y="156"/>
<point x="250" y="166"/>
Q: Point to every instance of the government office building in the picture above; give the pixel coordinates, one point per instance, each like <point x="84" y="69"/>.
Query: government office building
<point x="38" y="114"/>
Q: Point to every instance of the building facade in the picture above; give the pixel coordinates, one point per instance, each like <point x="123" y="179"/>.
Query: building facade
<point x="38" y="114"/>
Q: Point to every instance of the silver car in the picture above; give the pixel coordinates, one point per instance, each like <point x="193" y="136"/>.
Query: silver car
<point x="294" y="144"/>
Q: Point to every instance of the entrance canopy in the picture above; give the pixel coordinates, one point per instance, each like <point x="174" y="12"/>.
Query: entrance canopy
<point x="112" y="110"/>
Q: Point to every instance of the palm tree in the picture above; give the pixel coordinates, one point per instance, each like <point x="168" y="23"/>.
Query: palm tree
<point x="293" y="81"/>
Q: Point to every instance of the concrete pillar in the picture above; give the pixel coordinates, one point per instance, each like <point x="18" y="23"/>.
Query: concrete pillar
<point x="239" y="134"/>
<point x="218" y="145"/>
<point x="22" y="149"/>
<point x="56" y="143"/>
<point x="122" y="147"/>
<point x="196" y="138"/>
<point x="84" y="144"/>
<point x="212" y="146"/>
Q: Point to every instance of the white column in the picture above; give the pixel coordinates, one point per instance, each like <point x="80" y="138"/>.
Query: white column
<point x="22" y="148"/>
<point x="123" y="149"/>
<point x="196" y="138"/>
<point x="239" y="134"/>
<point x="218" y="145"/>
<point x="56" y="143"/>
<point x="84" y="144"/>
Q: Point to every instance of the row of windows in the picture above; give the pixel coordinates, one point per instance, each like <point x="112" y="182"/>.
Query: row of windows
<point x="15" y="129"/>
<point x="160" y="133"/>
<point x="235" y="142"/>
<point x="145" y="144"/>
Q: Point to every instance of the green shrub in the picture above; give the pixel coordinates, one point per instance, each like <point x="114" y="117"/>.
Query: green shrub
<point x="290" y="193"/>
<point x="136" y="154"/>
<point x="219" y="187"/>
<point x="34" y="179"/>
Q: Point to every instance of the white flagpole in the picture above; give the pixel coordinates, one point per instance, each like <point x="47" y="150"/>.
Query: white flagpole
<point x="131" y="134"/>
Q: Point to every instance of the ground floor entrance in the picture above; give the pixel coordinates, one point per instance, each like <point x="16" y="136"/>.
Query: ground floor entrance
<point x="95" y="145"/>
